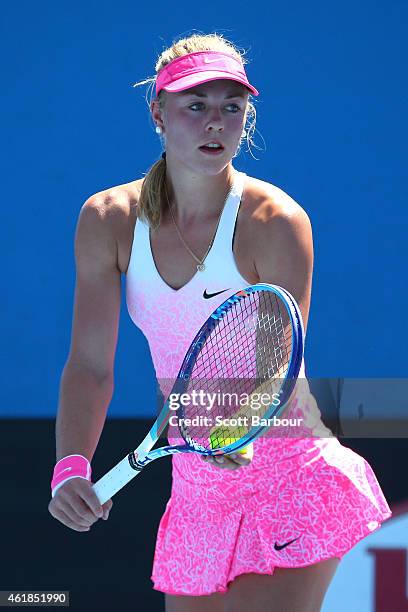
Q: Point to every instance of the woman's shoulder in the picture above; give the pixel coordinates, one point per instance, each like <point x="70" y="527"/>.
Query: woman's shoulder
<point x="116" y="201"/>
<point x="264" y="201"/>
<point x="113" y="210"/>
<point x="111" y="213"/>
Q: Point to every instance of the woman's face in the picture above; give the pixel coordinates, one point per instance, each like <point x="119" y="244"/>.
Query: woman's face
<point x="211" y="112"/>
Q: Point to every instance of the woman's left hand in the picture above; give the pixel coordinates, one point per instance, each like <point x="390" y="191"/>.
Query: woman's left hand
<point x="233" y="461"/>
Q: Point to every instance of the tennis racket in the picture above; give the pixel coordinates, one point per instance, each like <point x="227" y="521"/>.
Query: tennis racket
<point x="250" y="346"/>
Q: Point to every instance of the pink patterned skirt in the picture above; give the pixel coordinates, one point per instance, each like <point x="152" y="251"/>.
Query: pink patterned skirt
<point x="299" y="502"/>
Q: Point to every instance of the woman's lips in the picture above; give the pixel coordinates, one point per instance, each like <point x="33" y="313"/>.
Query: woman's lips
<point x="211" y="150"/>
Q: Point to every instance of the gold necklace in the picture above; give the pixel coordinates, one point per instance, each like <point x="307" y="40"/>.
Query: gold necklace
<point x="200" y="262"/>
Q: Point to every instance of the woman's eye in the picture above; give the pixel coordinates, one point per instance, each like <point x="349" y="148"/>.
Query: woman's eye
<point x="195" y="104"/>
<point x="233" y="107"/>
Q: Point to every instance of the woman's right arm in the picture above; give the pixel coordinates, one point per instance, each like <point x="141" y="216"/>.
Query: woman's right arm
<point x="86" y="386"/>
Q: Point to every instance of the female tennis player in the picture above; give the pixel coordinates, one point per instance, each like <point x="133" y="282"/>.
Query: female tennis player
<point x="266" y="528"/>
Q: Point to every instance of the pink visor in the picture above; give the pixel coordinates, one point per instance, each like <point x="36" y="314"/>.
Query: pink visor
<point x="201" y="67"/>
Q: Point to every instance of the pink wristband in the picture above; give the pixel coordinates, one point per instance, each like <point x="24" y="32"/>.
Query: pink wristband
<point x="71" y="466"/>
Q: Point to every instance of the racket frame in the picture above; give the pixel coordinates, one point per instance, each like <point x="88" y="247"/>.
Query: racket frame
<point x="297" y="351"/>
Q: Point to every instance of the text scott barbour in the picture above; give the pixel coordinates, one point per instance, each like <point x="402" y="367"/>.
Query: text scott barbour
<point x="240" y="421"/>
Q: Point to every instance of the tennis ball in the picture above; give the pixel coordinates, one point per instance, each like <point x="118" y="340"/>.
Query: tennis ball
<point x="218" y="439"/>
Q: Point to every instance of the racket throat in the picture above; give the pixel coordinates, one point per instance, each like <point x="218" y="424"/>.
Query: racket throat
<point x="140" y="457"/>
<point x="137" y="462"/>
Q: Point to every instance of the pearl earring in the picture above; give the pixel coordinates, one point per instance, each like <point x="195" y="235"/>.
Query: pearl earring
<point x="158" y="129"/>
<point x="244" y="133"/>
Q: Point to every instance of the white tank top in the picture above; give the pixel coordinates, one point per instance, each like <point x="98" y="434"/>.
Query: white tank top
<point x="170" y="318"/>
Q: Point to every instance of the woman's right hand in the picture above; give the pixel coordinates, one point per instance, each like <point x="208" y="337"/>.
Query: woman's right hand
<point x="234" y="461"/>
<point x="76" y="505"/>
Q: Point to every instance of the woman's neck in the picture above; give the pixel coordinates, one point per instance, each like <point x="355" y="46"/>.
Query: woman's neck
<point x="197" y="197"/>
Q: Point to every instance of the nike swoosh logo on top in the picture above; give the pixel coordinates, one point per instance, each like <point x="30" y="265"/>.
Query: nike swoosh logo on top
<point x="207" y="296"/>
<point x="280" y="546"/>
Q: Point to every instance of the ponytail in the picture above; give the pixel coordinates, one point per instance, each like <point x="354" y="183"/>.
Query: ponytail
<point x="152" y="196"/>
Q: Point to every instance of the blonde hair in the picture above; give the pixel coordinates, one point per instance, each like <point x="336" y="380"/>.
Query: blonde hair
<point x="153" y="200"/>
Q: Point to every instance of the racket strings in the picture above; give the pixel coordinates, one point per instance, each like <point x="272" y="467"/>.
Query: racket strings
<point x="246" y="354"/>
<point x="274" y="324"/>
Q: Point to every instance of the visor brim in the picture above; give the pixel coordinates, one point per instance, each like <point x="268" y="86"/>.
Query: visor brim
<point x="192" y="80"/>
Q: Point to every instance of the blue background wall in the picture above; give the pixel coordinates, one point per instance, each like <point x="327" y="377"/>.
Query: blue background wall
<point x="332" y="113"/>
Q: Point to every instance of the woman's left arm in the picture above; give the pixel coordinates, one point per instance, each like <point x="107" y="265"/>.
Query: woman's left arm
<point x="283" y="251"/>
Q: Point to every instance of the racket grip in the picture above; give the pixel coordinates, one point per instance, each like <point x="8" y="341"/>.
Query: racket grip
<point x="114" y="480"/>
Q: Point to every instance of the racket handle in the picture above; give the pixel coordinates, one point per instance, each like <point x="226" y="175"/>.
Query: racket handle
<point x="114" y="480"/>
